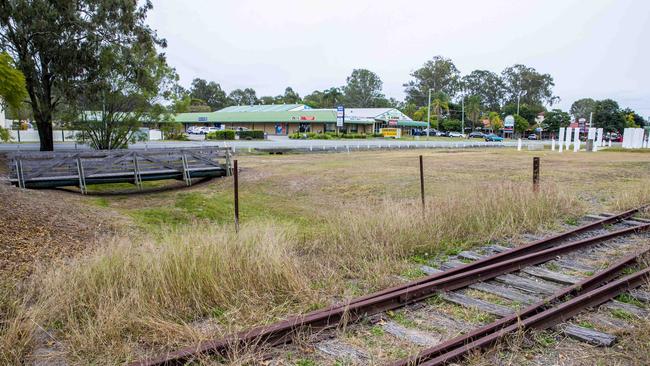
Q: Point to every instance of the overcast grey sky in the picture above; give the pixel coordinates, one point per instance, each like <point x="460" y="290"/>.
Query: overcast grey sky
<point x="595" y="48"/>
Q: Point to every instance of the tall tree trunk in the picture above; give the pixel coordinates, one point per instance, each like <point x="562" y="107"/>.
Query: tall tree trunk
<point x="44" y="126"/>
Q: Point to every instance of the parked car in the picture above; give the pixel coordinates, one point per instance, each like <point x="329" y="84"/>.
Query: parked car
<point x="476" y="135"/>
<point x="532" y="136"/>
<point x="193" y="130"/>
<point x="493" y="137"/>
<point x="207" y="130"/>
<point x="455" y="134"/>
<point x="431" y="132"/>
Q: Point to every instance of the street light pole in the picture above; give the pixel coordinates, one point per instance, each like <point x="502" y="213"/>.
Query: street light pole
<point x="429" y="114"/>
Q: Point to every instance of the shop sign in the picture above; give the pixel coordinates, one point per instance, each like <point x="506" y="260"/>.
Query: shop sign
<point x="340" y="116"/>
<point x="391" y="132"/>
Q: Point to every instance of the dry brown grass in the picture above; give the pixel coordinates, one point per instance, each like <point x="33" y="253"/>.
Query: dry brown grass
<point x="317" y="228"/>
<point x="151" y="292"/>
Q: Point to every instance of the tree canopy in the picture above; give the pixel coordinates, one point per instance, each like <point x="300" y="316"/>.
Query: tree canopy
<point x="439" y="74"/>
<point x="12" y="83"/>
<point x="607" y="115"/>
<point x="532" y="87"/>
<point x="55" y="45"/>
<point x="243" y="97"/>
<point x="555" y="119"/>
<point x="487" y="85"/>
<point x="362" y="89"/>
<point x="209" y="92"/>
<point x="127" y="87"/>
<point x="582" y="108"/>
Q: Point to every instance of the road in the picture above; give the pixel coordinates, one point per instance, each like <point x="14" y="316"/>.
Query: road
<point x="283" y="142"/>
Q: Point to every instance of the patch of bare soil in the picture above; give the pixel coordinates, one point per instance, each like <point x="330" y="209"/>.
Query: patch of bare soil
<point x="45" y="227"/>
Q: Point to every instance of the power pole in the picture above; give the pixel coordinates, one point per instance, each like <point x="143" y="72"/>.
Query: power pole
<point x="462" y="119"/>
<point x="429" y="113"/>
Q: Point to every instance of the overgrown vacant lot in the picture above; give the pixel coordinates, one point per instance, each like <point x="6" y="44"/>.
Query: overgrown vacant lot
<point x="315" y="229"/>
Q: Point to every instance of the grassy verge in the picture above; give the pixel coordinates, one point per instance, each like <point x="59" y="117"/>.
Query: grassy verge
<point x="133" y="297"/>
<point x="317" y="228"/>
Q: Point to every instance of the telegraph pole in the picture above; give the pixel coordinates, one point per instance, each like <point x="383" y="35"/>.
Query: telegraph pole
<point x="462" y="119"/>
<point x="429" y="114"/>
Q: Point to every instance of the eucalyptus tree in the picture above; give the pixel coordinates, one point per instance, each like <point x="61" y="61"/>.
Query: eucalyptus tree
<point x="437" y="75"/>
<point x="363" y="89"/>
<point x="488" y="86"/>
<point x="525" y="85"/>
<point x="55" y="45"/>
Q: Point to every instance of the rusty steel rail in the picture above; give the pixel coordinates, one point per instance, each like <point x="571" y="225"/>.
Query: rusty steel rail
<point x="484" y="336"/>
<point x="487" y="268"/>
<point x="534" y="246"/>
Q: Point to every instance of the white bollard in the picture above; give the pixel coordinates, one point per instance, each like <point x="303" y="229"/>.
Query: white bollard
<point x="567" y="138"/>
<point x="609" y="143"/>
<point x="311" y="148"/>
<point x="576" y="140"/>
<point x="599" y="132"/>
<point x="561" y="139"/>
<point x="553" y="144"/>
<point x="518" y="144"/>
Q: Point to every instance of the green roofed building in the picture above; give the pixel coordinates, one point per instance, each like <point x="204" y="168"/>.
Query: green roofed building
<point x="283" y="119"/>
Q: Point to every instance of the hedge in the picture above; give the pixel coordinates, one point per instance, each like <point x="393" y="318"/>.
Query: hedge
<point x="251" y="135"/>
<point x="221" y="135"/>
<point x="330" y="135"/>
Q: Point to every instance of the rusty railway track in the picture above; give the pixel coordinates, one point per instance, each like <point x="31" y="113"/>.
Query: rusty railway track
<point x="538" y="315"/>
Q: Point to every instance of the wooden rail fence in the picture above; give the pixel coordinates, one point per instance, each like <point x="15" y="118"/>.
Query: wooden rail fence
<point x="74" y="168"/>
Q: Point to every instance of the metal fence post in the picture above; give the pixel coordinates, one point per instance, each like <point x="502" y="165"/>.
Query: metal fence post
<point x="236" y="191"/>
<point x="422" y="183"/>
<point x="536" y="174"/>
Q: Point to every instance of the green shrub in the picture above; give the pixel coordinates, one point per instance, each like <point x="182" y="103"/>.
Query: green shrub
<point x="354" y="136"/>
<point x="377" y="134"/>
<point x="5" y="136"/>
<point x="221" y="135"/>
<point x="251" y="135"/>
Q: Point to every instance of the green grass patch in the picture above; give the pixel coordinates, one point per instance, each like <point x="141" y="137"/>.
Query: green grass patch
<point x="401" y="319"/>
<point x="586" y="324"/>
<point x="101" y="202"/>
<point x="622" y="314"/>
<point x="413" y="273"/>
<point x="573" y="221"/>
<point x="628" y="299"/>
<point x="159" y="216"/>
<point x="305" y="362"/>
<point x="545" y="339"/>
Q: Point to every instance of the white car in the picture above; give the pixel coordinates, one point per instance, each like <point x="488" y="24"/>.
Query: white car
<point x="455" y="134"/>
<point x="207" y="130"/>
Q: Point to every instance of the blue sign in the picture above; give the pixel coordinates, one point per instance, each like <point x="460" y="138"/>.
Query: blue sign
<point x="203" y="119"/>
<point x="340" y="116"/>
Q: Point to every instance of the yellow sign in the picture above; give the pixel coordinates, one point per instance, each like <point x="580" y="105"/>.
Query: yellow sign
<point x="391" y="132"/>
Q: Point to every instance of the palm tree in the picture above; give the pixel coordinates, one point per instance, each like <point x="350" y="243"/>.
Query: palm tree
<point x="440" y="103"/>
<point x="473" y="109"/>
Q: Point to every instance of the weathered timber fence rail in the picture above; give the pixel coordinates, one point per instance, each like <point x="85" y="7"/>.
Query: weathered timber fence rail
<point x="80" y="168"/>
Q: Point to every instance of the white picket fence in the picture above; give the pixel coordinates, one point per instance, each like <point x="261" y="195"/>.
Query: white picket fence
<point x="64" y="135"/>
<point x="566" y="135"/>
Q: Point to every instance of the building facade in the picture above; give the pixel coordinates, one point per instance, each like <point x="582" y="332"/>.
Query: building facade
<point x="285" y="119"/>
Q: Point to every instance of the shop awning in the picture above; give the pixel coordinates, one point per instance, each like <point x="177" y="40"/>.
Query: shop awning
<point x="407" y="123"/>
